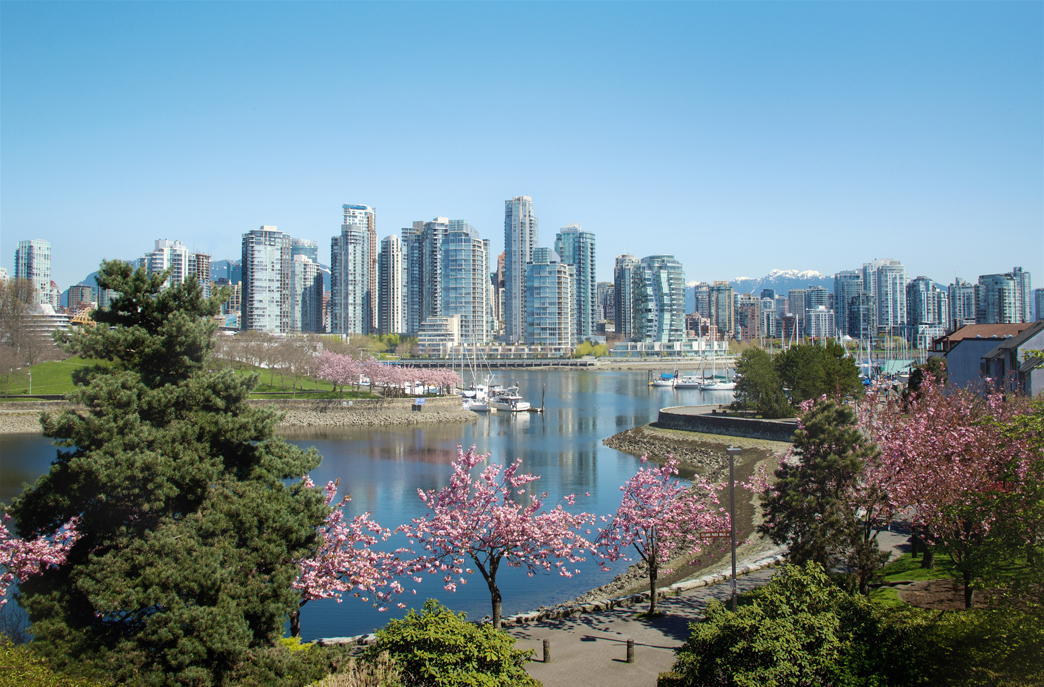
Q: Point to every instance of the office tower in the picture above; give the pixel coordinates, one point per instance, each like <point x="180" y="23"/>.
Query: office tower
<point x="606" y="305"/>
<point x="996" y="299"/>
<point x="170" y="255"/>
<point x="576" y="248"/>
<point x="1023" y="295"/>
<point x="33" y="262"/>
<point x="1038" y="303"/>
<point x="81" y="296"/>
<point x="352" y="292"/>
<point x="891" y="294"/>
<point x="963" y="302"/>
<point x="768" y="293"/>
<point x="389" y="297"/>
<point x="464" y="281"/>
<point x="658" y="286"/>
<point x="549" y="300"/>
<point x="305" y="299"/>
<point x="521" y="236"/>
<point x="797" y="305"/>
<point x="846" y="285"/>
<point x="720" y="309"/>
<point x="266" y="258"/>
<point x="309" y="249"/>
<point x="862" y="316"/>
<point x="748" y="316"/>
<point x="623" y="277"/>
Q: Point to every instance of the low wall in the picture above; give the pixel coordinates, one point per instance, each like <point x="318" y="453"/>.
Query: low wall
<point x="333" y="405"/>
<point x="706" y="419"/>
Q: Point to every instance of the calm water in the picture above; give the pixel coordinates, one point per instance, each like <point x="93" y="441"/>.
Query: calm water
<point x="382" y="468"/>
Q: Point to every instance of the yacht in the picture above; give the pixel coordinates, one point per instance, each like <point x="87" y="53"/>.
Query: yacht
<point x="509" y="400"/>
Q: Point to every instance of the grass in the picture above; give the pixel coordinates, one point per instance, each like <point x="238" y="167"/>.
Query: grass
<point x="906" y="568"/>
<point x="54" y="377"/>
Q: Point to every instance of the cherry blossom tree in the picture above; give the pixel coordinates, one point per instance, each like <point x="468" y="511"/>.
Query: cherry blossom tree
<point x="479" y="519"/>
<point x="345" y="560"/>
<point x="21" y="559"/>
<point x="661" y="517"/>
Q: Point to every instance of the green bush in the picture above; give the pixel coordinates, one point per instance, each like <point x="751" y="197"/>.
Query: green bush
<point x="20" y="666"/>
<point x="381" y="672"/>
<point x="440" y="648"/>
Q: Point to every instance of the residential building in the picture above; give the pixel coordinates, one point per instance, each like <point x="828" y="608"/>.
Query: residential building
<point x="309" y="249"/>
<point x="549" y="300"/>
<point x="1038" y="303"/>
<point x="720" y="310"/>
<point x="1023" y="295"/>
<point x="862" y="316"/>
<point x="576" y="248"/>
<point x="305" y="298"/>
<point x="623" y="276"/>
<point x="966" y="348"/>
<point x="199" y="267"/>
<point x="521" y="237"/>
<point x="821" y="323"/>
<point x="846" y="285"/>
<point x="438" y="335"/>
<point x="963" y="303"/>
<point x="33" y="262"/>
<point x="266" y="271"/>
<point x="390" y="299"/>
<point x="769" y="320"/>
<point x="891" y="296"/>
<point x="701" y="299"/>
<point x="928" y="312"/>
<point x="464" y="281"/>
<point x="606" y="301"/>
<point x="172" y="255"/>
<point x="997" y="299"/>
<point x="748" y="316"/>
<point x="1010" y="365"/>
<point x="81" y="296"/>
<point x="353" y="276"/>
<point x="797" y="304"/>
<point x="658" y="293"/>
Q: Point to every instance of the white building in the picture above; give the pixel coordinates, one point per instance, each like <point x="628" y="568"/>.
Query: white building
<point x="172" y="255"/>
<point x="266" y="263"/>
<point x="33" y="262"/>
<point x="390" y="287"/>
<point x="353" y="272"/>
<point x="521" y="237"/>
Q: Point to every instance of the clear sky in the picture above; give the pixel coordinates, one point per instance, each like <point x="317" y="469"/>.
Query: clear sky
<point x="740" y="137"/>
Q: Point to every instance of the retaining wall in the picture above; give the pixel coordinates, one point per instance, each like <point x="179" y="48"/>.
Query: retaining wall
<point x="705" y="419"/>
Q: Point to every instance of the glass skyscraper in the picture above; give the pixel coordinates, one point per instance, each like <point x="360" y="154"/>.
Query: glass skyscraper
<point x="352" y="281"/>
<point x="465" y="281"/>
<point x="266" y="258"/>
<point x="623" y="294"/>
<point x="521" y="236"/>
<point x="659" y="300"/>
<point x="576" y="248"/>
<point x="33" y="262"/>
<point x="549" y="300"/>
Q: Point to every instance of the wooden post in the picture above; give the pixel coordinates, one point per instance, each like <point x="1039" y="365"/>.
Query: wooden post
<point x="543" y="393"/>
<point x="630" y="651"/>
<point x="547" y="651"/>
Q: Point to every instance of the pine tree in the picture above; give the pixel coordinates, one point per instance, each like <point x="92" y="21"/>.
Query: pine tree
<point x="191" y="513"/>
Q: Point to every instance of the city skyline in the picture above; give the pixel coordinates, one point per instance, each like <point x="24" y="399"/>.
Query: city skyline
<point x="825" y="135"/>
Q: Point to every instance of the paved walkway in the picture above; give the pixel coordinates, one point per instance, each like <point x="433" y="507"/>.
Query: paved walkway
<point x="591" y="649"/>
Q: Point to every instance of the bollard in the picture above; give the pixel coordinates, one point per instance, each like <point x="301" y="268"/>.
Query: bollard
<point x="630" y="651"/>
<point x="547" y="651"/>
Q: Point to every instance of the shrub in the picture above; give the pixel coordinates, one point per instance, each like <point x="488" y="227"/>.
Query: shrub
<point x="380" y="672"/>
<point x="440" y="648"/>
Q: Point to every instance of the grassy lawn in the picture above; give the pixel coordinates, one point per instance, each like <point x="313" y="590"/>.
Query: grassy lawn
<point x="49" y="378"/>
<point x="908" y="569"/>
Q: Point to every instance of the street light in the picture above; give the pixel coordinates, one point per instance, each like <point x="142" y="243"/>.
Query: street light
<point x="30" y="383"/>
<point x="732" y="452"/>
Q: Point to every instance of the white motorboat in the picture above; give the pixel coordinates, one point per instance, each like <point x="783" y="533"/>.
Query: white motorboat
<point x="689" y="382"/>
<point x="477" y="406"/>
<point x="508" y="400"/>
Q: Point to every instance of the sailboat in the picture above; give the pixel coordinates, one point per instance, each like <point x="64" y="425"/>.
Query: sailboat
<point x="716" y="384"/>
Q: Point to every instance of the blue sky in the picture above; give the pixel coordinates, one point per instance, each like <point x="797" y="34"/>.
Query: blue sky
<point x="740" y="137"/>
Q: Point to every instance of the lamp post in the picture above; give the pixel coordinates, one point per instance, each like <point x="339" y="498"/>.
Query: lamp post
<point x="732" y="452"/>
<point x="30" y="383"/>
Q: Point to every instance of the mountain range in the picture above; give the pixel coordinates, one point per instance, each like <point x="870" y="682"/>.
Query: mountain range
<point x="781" y="281"/>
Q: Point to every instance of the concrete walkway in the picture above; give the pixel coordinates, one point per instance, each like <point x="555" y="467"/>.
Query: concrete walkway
<point x="591" y="649"/>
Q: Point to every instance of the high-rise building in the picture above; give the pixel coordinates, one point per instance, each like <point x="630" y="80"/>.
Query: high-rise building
<point x="658" y="287"/>
<point x="815" y="297"/>
<point x="265" y="288"/>
<point x="997" y="299"/>
<point x="521" y="236"/>
<point x="927" y="311"/>
<point x="549" y="300"/>
<point x="33" y="262"/>
<point x="1038" y="303"/>
<point x="576" y="248"/>
<point x="606" y="306"/>
<point x="309" y="249"/>
<point x="1023" y="295"/>
<point x="167" y="254"/>
<point x="464" y="281"/>
<point x="701" y="299"/>
<point x="81" y="296"/>
<point x="352" y="279"/>
<point x="623" y="277"/>
<point x="305" y="300"/>
<point x="748" y="316"/>
<point x="199" y="267"/>
<point x="389" y="299"/>
<point x="963" y="303"/>
<point x="797" y="304"/>
<point x="721" y="309"/>
<point x="891" y="295"/>
<point x="846" y="284"/>
<point x="422" y="246"/>
<point x="769" y="325"/>
<point x="498" y="293"/>
<point x="862" y="316"/>
<point x="821" y="322"/>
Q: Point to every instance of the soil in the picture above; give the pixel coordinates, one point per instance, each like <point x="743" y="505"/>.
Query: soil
<point x="943" y="595"/>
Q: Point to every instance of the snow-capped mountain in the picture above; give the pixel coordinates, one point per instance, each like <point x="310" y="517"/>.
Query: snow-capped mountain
<point x="781" y="281"/>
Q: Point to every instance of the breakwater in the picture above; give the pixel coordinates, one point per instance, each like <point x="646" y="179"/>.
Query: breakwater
<point x="712" y="420"/>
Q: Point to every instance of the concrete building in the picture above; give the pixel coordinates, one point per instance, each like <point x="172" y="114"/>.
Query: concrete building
<point x="82" y="296"/>
<point x="891" y="296"/>
<point x="928" y="312"/>
<point x="701" y="299"/>
<point x="997" y="299"/>
<point x="33" y="262"/>
<point x="390" y="289"/>
<point x="846" y="285"/>
<point x="769" y="319"/>
<point x="862" y="316"/>
<point x="172" y="255"/>
<point x="265" y="287"/>
<point x="963" y="301"/>
<point x="797" y="305"/>
<point x="658" y="292"/>
<point x="438" y="336"/>
<point x="606" y="292"/>
<point x="305" y="299"/>
<point x="720" y="309"/>
<point x="521" y="237"/>
<point x="1023" y="295"/>
<point x="464" y="281"/>
<point x="748" y="316"/>
<point x="576" y="248"/>
<point x="353" y="276"/>
<point x="549" y="301"/>
<point x="623" y="276"/>
<point x="821" y="323"/>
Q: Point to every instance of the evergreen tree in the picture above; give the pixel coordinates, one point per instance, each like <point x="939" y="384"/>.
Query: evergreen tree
<point x="758" y="385"/>
<point x="819" y="502"/>
<point x="190" y="511"/>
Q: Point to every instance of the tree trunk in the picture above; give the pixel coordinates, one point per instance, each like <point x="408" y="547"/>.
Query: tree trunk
<point x="494" y="595"/>
<point x="928" y="560"/>
<point x="653" y="574"/>
<point x="295" y="623"/>
<point x="969" y="591"/>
